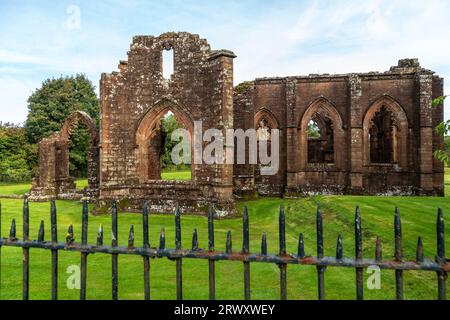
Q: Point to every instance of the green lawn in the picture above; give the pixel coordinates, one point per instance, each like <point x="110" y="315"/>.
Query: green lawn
<point x="10" y="189"/>
<point x="418" y="217"/>
<point x="13" y="189"/>
<point x="176" y="175"/>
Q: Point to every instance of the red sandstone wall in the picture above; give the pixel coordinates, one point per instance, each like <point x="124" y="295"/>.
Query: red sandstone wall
<point x="407" y="85"/>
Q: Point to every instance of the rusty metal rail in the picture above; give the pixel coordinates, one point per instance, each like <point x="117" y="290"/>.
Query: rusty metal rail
<point x="440" y="265"/>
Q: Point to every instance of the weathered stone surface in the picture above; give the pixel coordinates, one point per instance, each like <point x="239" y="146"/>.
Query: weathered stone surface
<point x="53" y="180"/>
<point x="124" y="155"/>
<point x="351" y="102"/>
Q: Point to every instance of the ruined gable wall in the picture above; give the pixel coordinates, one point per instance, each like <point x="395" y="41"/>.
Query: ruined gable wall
<point x="352" y="95"/>
<point x="200" y="90"/>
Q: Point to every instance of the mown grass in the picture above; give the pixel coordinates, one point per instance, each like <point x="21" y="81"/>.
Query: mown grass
<point x="418" y="217"/>
<point x="12" y="189"/>
<point x="176" y="175"/>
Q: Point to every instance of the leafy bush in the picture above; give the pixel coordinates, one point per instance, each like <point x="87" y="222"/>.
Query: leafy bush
<point x="17" y="156"/>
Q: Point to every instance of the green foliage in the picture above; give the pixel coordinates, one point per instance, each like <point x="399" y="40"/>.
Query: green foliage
<point x="443" y="129"/>
<point x="439" y="101"/>
<point x="170" y="124"/>
<point x="313" y="130"/>
<point x="78" y="150"/>
<point x="243" y="87"/>
<point x="17" y="156"/>
<point x="49" y="107"/>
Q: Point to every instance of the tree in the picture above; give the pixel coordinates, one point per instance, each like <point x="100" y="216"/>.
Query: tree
<point x="169" y="125"/>
<point x="50" y="105"/>
<point x="443" y="129"/>
<point x="16" y="155"/>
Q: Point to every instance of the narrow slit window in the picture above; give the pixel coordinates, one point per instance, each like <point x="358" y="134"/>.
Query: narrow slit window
<point x="167" y="63"/>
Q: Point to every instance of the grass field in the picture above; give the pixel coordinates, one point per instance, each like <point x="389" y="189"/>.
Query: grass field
<point x="11" y="189"/>
<point x="176" y="175"/>
<point x="418" y="217"/>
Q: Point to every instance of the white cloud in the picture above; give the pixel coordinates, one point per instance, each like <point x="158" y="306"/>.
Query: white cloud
<point x="14" y="94"/>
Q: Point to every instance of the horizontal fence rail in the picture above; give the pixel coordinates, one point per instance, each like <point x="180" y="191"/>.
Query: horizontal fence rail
<point x="439" y="264"/>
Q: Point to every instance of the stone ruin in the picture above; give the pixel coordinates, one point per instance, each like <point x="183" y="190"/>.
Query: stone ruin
<point x="374" y="132"/>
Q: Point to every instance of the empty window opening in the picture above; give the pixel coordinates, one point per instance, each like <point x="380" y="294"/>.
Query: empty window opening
<point x="79" y="148"/>
<point x="167" y="63"/>
<point x="383" y="138"/>
<point x="320" y="140"/>
<point x="161" y="145"/>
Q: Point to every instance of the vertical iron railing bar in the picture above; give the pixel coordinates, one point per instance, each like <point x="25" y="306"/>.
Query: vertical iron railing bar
<point x="320" y="255"/>
<point x="146" y="244"/>
<point x="179" y="261"/>
<point x="358" y="255"/>
<point x="282" y="253"/>
<point x="115" y="257"/>
<point x="442" y="276"/>
<point x="26" y="251"/>
<point x="84" y="254"/>
<point x="211" y="263"/>
<point x="246" y="251"/>
<point x="398" y="254"/>
<point x="54" y="252"/>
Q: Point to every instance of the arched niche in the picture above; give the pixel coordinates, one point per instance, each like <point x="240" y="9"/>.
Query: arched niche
<point x="387" y="119"/>
<point x="322" y="111"/>
<point x="264" y="122"/>
<point x="148" y="168"/>
<point x="62" y="142"/>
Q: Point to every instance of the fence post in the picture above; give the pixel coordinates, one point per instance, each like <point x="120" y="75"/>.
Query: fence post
<point x="41" y="233"/>
<point x="339" y="248"/>
<point x="398" y="254"/>
<point x="84" y="240"/>
<point x="358" y="255"/>
<point x="229" y="244"/>
<point x="100" y="236"/>
<point x="378" y="250"/>
<point x="179" y="261"/>
<point x="246" y="250"/>
<point x="419" y="251"/>
<point x="26" y="251"/>
<point x="442" y="276"/>
<point x="146" y="258"/>
<point x="212" y="263"/>
<point x="54" y="232"/>
<point x="320" y="269"/>
<point x="301" y="246"/>
<point x="115" y="262"/>
<point x="282" y="266"/>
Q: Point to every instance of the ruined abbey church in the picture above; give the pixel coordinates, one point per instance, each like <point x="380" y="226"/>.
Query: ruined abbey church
<point x="361" y="133"/>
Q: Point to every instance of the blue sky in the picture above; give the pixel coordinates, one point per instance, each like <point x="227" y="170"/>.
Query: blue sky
<point x="271" y="38"/>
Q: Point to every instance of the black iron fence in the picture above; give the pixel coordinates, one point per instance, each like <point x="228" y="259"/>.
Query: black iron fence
<point x="440" y="265"/>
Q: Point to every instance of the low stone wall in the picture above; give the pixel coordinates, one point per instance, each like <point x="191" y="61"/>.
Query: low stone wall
<point x="164" y="197"/>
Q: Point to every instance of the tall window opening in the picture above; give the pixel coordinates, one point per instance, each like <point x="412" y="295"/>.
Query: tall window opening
<point x="160" y="148"/>
<point x="79" y="148"/>
<point x="383" y="137"/>
<point x="167" y="63"/>
<point x="320" y="140"/>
